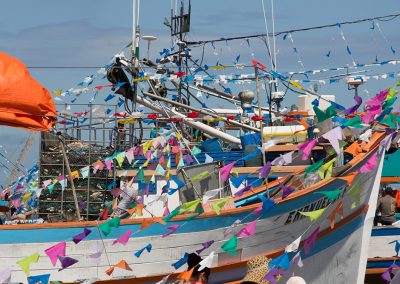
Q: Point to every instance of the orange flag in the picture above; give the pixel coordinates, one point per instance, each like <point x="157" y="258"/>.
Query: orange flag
<point x="123" y="265"/>
<point x="24" y="102"/>
<point x="186" y="275"/>
<point x="139" y="209"/>
<point x="338" y="210"/>
<point x="131" y="211"/>
<point x="148" y="222"/>
<point x="110" y="270"/>
<point x="349" y="178"/>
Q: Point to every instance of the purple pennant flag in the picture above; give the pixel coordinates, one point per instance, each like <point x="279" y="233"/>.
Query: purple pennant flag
<point x="311" y="240"/>
<point x="243" y="190"/>
<point x="205" y="245"/>
<point x="265" y="170"/>
<point x="115" y="191"/>
<point x="271" y="275"/>
<point x="86" y="232"/>
<point x="286" y="190"/>
<point x="172" y="229"/>
<point x="66" y="262"/>
<point x="354" y="108"/>
<point x="188" y="159"/>
<point x="387" y="275"/>
<point x="82" y="205"/>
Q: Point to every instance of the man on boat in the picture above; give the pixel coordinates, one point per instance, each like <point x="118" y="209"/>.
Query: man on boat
<point x="386" y="207"/>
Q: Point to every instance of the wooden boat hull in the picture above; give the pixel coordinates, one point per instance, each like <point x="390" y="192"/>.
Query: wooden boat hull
<point x="276" y="229"/>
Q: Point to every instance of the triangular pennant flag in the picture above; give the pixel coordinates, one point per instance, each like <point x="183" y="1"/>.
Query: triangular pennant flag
<point x="230" y="246"/>
<point x="294" y="246"/>
<point x="129" y="155"/>
<point x="314" y="215"/>
<point x="325" y="171"/>
<point x="311" y="240"/>
<point x="172" y="229"/>
<point x="84" y="172"/>
<point x="186" y="275"/>
<point x="249" y="230"/>
<point x="106" y="226"/>
<point x="181" y="261"/>
<point x="38" y="279"/>
<point x="98" y="165"/>
<point x="205" y="245"/>
<point x="196" y="151"/>
<point x="239" y="180"/>
<point x="281" y="262"/>
<point x="86" y="232"/>
<point x="225" y="171"/>
<point x="5" y="275"/>
<point x="56" y="250"/>
<point x="370" y="164"/>
<point x="272" y="275"/>
<point x="25" y="263"/>
<point x="109" y="271"/>
<point x="108" y="164"/>
<point x="140" y="175"/>
<point x="207" y="262"/>
<point x="145" y="164"/>
<point x="160" y="170"/>
<point x="306" y="148"/>
<point x="123" y="239"/>
<point x="139" y="252"/>
<point x="66" y="262"/>
<point x="286" y="190"/>
<point x="265" y="170"/>
<point x="210" y="194"/>
<point x="349" y="178"/>
<point x="200" y="176"/>
<point x="313" y="168"/>
<point x="218" y="205"/>
<point x="189" y="206"/>
<point x="267" y="203"/>
<point x="338" y="210"/>
<point x="180" y="164"/>
<point x="123" y="265"/>
<point x="331" y="195"/>
<point x="208" y="159"/>
<point x="396" y="247"/>
<point x="355" y="191"/>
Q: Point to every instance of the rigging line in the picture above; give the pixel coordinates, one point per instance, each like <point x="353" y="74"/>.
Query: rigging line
<point x="380" y="18"/>
<point x="267" y="37"/>
<point x="273" y="32"/>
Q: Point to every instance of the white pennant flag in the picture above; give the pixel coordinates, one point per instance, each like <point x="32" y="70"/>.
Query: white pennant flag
<point x="210" y="194"/>
<point x="207" y="262"/>
<point x="209" y="159"/>
<point x="366" y="135"/>
<point x="334" y="136"/>
<point x="5" y="275"/>
<point x="164" y="280"/>
<point x="294" y="245"/>
<point x="297" y="259"/>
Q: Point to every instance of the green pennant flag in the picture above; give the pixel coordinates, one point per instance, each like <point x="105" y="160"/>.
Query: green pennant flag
<point x="51" y="187"/>
<point x="389" y="103"/>
<point x="314" y="215"/>
<point x="354" y="122"/>
<point x="171" y="215"/>
<point x="189" y="206"/>
<point x="321" y="115"/>
<point x="140" y="174"/>
<point x="120" y="158"/>
<point x="181" y="164"/>
<point x="230" y="246"/>
<point x="200" y="176"/>
<point x="331" y="195"/>
<point x="134" y="164"/>
<point x="106" y="226"/>
<point x="355" y="191"/>
<point x="325" y="171"/>
<point x="217" y="206"/>
<point x="313" y="167"/>
<point x="199" y="212"/>
<point x="389" y="120"/>
<point x="196" y="151"/>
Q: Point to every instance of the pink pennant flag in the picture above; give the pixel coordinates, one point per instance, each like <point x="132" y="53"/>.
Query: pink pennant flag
<point x="97" y="166"/>
<point x="129" y="155"/>
<point x="108" y="164"/>
<point x="225" y="171"/>
<point x="56" y="250"/>
<point x="148" y="154"/>
<point x="16" y="202"/>
<point x="172" y="229"/>
<point x="311" y="240"/>
<point x="257" y="211"/>
<point x="306" y="148"/>
<point x="370" y="164"/>
<point x="249" y="230"/>
<point x="123" y="239"/>
<point x="166" y="212"/>
<point x="46" y="183"/>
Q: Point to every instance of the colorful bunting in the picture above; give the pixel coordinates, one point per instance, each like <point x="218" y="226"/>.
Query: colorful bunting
<point x="247" y="231"/>
<point x="306" y="148"/>
<point x="55" y="251"/>
<point x="148" y="248"/>
<point x="311" y="240"/>
<point x="66" y="262"/>
<point x="230" y="246"/>
<point x="86" y="232"/>
<point x="225" y="171"/>
<point x="265" y="170"/>
<point x="370" y="164"/>
<point x="314" y="215"/>
<point x="172" y="229"/>
<point x="38" y="279"/>
<point x="281" y="262"/>
<point x="26" y="262"/>
<point x="200" y="176"/>
<point x="338" y="210"/>
<point x="123" y="239"/>
<point x="206" y="262"/>
<point x="205" y="245"/>
<point x="181" y="261"/>
<point x="105" y="227"/>
<point x="218" y="205"/>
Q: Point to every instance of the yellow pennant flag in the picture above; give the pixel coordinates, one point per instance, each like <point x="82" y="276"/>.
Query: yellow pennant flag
<point x="167" y="175"/>
<point x="146" y="163"/>
<point x="74" y="175"/>
<point x="178" y="135"/>
<point x="217" y="206"/>
<point x="57" y="92"/>
<point x="26" y="196"/>
<point x="200" y="176"/>
<point x="297" y="85"/>
<point x="26" y="262"/>
<point x="130" y="120"/>
<point x="146" y="146"/>
<point x="314" y="215"/>
<point x="325" y="171"/>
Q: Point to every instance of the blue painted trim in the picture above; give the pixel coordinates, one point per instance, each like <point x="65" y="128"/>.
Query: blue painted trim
<point x="385" y="231"/>
<point x="382" y="264"/>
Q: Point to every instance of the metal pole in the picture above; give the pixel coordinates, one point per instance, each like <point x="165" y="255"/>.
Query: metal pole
<point x="260" y="114"/>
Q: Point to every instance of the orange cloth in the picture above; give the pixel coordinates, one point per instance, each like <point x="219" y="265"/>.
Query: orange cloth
<point x="24" y="102"/>
<point x="397" y="196"/>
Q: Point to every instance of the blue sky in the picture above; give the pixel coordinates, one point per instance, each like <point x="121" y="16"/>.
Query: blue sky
<point x="89" y="32"/>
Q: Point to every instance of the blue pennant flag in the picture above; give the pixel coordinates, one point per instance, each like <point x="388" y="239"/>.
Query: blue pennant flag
<point x="108" y="111"/>
<point x="109" y="97"/>
<point x="348" y="50"/>
<point x="328" y="54"/>
<point x="179" y="184"/>
<point x="281" y="262"/>
<point x="267" y="203"/>
<point x="148" y="248"/>
<point x="42" y="279"/>
<point x="120" y="102"/>
<point x="252" y="155"/>
<point x="181" y="262"/>
<point x="396" y="247"/>
<point x="239" y="180"/>
<point x="112" y="185"/>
